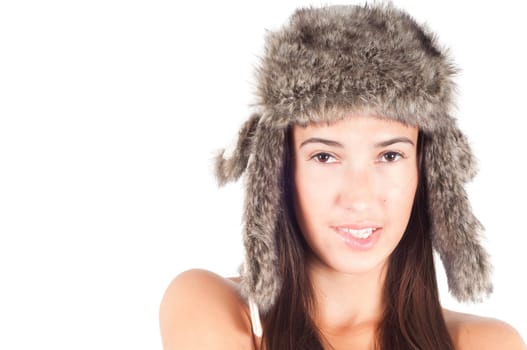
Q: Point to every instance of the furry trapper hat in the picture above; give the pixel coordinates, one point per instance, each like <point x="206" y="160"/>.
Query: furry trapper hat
<point x="323" y="64"/>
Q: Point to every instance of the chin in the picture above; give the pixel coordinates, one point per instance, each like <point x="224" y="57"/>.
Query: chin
<point x="356" y="265"/>
<point x="363" y="268"/>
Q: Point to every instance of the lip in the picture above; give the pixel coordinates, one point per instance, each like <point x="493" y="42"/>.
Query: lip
<point x="360" y="226"/>
<point x="359" y="244"/>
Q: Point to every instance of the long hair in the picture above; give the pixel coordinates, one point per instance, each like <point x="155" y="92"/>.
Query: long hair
<point x="412" y="318"/>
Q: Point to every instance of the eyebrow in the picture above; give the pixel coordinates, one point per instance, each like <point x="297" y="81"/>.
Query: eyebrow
<point x="340" y="145"/>
<point x="394" y="140"/>
<point x="319" y="140"/>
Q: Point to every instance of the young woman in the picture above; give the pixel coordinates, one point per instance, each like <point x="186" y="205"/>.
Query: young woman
<point x="355" y="172"/>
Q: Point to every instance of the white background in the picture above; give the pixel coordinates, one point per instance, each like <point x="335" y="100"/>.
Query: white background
<point x="110" y="115"/>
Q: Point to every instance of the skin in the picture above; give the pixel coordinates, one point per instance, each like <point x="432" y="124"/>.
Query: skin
<point x="358" y="171"/>
<point x="217" y="318"/>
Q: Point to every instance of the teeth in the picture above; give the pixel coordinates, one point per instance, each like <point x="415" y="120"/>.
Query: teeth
<point x="363" y="234"/>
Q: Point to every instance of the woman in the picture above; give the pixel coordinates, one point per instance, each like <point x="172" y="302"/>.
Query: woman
<point x="355" y="173"/>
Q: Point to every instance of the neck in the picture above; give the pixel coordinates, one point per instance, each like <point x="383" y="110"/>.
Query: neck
<point x="347" y="302"/>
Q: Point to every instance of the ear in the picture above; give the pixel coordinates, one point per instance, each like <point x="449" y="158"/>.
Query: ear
<point x="231" y="168"/>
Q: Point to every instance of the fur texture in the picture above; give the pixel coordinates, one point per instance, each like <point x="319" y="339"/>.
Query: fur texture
<point x="323" y="64"/>
<point x="231" y="168"/>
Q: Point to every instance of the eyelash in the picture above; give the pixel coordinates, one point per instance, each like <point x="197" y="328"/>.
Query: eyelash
<point x="317" y="159"/>
<point x="398" y="156"/>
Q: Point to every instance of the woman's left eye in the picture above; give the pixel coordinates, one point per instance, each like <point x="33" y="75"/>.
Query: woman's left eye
<point x="390" y="157"/>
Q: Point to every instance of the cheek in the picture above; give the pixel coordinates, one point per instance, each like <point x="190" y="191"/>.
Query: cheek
<point x="310" y="190"/>
<point x="399" y="194"/>
<point x="313" y="197"/>
<point x="316" y="188"/>
<point x="305" y="196"/>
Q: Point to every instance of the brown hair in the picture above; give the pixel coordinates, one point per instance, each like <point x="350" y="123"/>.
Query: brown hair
<point x="413" y="316"/>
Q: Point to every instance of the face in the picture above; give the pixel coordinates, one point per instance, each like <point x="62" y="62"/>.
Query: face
<point x="355" y="182"/>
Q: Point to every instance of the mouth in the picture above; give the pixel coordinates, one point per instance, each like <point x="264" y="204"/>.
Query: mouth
<point x="360" y="233"/>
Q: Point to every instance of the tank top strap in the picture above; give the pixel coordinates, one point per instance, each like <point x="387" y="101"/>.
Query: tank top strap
<point x="255" y="319"/>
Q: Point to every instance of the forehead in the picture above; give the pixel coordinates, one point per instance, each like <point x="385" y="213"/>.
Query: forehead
<point x="357" y="125"/>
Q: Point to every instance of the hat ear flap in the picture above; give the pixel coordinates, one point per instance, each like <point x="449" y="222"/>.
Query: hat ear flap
<point x="230" y="168"/>
<point x="260" y="277"/>
<point x="455" y="230"/>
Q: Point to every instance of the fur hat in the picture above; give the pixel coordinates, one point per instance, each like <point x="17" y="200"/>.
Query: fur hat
<point x="324" y="63"/>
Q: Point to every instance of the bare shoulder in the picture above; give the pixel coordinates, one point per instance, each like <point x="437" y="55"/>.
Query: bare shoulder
<point x="202" y="310"/>
<point x="481" y="333"/>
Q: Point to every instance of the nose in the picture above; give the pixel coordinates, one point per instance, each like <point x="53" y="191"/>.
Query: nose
<point x="357" y="189"/>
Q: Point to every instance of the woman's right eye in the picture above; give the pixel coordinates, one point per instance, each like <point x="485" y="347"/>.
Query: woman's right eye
<point x="324" y="158"/>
